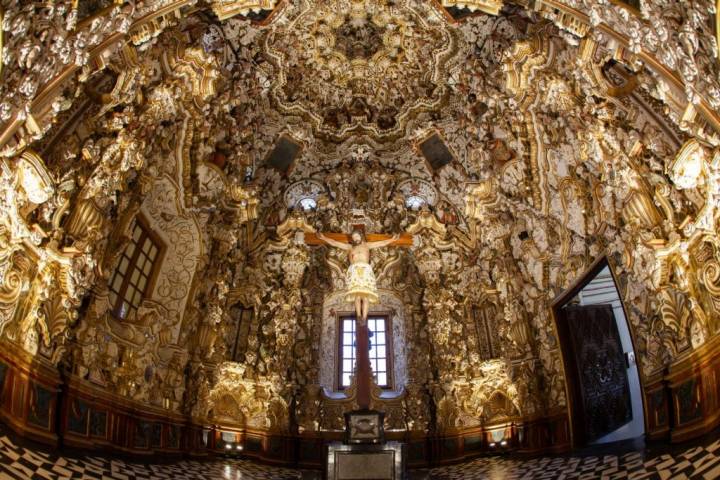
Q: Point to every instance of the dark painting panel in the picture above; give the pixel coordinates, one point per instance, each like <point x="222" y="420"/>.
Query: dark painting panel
<point x="3" y="375"/>
<point x="436" y="152"/>
<point x="78" y="416"/>
<point x="450" y="448"/>
<point x="88" y="8"/>
<point x="98" y="423"/>
<point x="40" y="404"/>
<point x="283" y="155"/>
<point x="275" y="447"/>
<point x="173" y="440"/>
<point x="253" y="445"/>
<point x="142" y="435"/>
<point x="310" y="452"/>
<point x="473" y="443"/>
<point x="688" y="401"/>
<point x="156" y="435"/>
<point x="659" y="407"/>
<point x="416" y="451"/>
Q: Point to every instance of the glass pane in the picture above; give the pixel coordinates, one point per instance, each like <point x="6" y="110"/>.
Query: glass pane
<point x="379" y="325"/>
<point x="117" y="281"/>
<point x="379" y="338"/>
<point x="347" y="365"/>
<point x="374" y="365"/>
<point x="141" y="283"/>
<point x="382" y="365"/>
<point x="136" y="233"/>
<point x="113" y="297"/>
<point x="135" y="276"/>
<point x="130" y="249"/>
<point x="146" y="245"/>
<point x="129" y="292"/>
<point x="345" y="380"/>
<point x="146" y="268"/>
<point x="137" y="298"/>
<point x="153" y="252"/>
<point x="381" y="351"/>
<point x="347" y="338"/>
<point x="123" y="310"/>
<point x="373" y="350"/>
<point x="122" y="268"/>
<point x="382" y="379"/>
<point x="348" y="352"/>
<point x="348" y="324"/>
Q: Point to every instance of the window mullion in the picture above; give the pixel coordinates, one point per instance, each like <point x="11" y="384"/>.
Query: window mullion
<point x="133" y="265"/>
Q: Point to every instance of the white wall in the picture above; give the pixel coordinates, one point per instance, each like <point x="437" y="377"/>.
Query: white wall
<point x="602" y="290"/>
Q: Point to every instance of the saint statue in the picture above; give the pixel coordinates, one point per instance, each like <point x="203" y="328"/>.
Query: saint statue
<point x="361" y="283"/>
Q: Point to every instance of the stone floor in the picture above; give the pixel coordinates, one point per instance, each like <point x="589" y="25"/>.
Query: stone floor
<point x="701" y="461"/>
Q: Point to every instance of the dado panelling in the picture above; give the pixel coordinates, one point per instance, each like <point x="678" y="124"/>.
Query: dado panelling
<point x="683" y="403"/>
<point x="28" y="395"/>
<point x="93" y="418"/>
<point x="37" y="403"/>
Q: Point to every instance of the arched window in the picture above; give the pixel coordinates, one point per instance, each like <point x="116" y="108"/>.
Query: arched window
<point x="308" y="204"/>
<point x="485" y="321"/>
<point x="133" y="276"/>
<point x="237" y="333"/>
<point x="381" y="355"/>
<point x="415" y="202"/>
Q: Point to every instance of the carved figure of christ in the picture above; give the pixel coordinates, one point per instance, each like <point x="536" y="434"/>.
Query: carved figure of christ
<point x="361" y="282"/>
<point x="362" y="291"/>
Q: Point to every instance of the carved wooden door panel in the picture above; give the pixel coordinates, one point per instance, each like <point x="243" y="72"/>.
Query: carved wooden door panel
<point x="597" y="362"/>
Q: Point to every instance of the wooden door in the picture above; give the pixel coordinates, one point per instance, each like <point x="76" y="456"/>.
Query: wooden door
<point x="596" y="370"/>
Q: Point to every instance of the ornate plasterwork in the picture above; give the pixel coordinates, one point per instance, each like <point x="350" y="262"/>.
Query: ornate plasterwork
<point x="303" y="194"/>
<point x="180" y="234"/>
<point x="358" y="66"/>
<point x="488" y="6"/>
<point x="567" y="146"/>
<point x="225" y="9"/>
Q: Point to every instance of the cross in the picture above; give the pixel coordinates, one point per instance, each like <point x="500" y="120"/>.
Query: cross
<point x="405" y="240"/>
<point x="362" y="289"/>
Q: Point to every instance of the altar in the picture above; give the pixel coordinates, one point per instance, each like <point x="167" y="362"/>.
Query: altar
<point x="365" y="461"/>
<point x="364" y="454"/>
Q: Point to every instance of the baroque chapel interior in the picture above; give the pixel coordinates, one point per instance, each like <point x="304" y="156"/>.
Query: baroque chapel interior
<point x="359" y="239"/>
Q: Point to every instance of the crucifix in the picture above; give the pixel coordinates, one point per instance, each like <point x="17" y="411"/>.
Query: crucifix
<point x="362" y="290"/>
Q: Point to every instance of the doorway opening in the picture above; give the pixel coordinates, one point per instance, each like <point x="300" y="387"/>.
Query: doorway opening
<point x="603" y="382"/>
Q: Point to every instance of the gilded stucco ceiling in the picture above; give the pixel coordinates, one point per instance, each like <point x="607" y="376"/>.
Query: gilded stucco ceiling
<point x="360" y="67"/>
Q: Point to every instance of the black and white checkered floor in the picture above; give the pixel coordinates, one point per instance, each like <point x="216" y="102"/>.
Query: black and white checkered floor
<point x="701" y="462"/>
<point x="698" y="462"/>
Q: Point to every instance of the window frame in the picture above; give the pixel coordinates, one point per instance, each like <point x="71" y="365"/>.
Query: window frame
<point x="147" y="232"/>
<point x="246" y="317"/>
<point x="478" y="312"/>
<point x="389" y="348"/>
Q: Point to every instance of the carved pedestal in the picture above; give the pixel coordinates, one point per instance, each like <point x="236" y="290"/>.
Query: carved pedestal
<point x="365" y="461"/>
<point x="365" y="454"/>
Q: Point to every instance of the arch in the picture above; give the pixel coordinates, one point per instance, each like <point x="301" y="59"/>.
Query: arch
<point x="333" y="305"/>
<point x="572" y="404"/>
